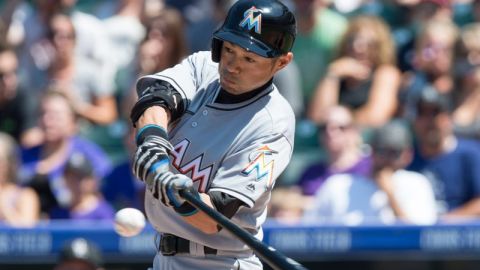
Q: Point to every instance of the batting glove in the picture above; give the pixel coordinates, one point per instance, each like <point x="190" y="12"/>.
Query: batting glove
<point x="166" y="187"/>
<point x="151" y="157"/>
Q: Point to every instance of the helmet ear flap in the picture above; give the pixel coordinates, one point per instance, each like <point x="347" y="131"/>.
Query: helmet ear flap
<point x="216" y="49"/>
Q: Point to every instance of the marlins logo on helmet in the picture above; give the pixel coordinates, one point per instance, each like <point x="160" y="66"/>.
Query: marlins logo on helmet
<point x="252" y="18"/>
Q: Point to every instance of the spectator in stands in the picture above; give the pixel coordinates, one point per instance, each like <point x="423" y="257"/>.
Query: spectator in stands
<point x="199" y="32"/>
<point x="86" y="201"/>
<point x="167" y="28"/>
<point x="80" y="78"/>
<point x="79" y="254"/>
<point x="475" y="10"/>
<point x="466" y="94"/>
<point x="81" y="82"/>
<point x="433" y="64"/>
<point x="43" y="164"/>
<point x="19" y="206"/>
<point x="30" y="22"/>
<point x="450" y="162"/>
<point x="343" y="143"/>
<point x="426" y="10"/>
<point x="124" y="31"/>
<point x="17" y="105"/>
<point x="390" y="194"/>
<point x="407" y="18"/>
<point x="363" y="77"/>
<point x="164" y="46"/>
<point x="287" y="204"/>
<point x="6" y="12"/>
<point x="202" y="18"/>
<point x="319" y="31"/>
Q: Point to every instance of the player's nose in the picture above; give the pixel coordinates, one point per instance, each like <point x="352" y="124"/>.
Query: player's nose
<point x="232" y="65"/>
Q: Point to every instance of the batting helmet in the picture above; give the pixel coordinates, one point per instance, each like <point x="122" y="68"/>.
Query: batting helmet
<point x="264" y="27"/>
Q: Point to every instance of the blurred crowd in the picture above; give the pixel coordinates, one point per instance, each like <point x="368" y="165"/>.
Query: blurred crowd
<point x="386" y="95"/>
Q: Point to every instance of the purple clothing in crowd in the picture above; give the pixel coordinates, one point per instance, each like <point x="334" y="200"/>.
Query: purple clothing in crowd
<point x="98" y="158"/>
<point x="314" y="176"/>
<point x="103" y="211"/>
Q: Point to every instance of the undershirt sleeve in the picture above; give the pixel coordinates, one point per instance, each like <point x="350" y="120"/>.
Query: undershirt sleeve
<point x="225" y="203"/>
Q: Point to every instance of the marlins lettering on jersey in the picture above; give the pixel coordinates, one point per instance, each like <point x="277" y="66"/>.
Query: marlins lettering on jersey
<point x="194" y="167"/>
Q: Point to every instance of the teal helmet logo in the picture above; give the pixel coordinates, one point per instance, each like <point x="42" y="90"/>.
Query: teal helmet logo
<point x="252" y="19"/>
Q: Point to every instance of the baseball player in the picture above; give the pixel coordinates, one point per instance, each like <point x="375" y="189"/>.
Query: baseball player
<point x="216" y="123"/>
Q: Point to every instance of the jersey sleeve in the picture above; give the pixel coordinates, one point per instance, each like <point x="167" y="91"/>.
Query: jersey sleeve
<point x="250" y="172"/>
<point x="189" y="76"/>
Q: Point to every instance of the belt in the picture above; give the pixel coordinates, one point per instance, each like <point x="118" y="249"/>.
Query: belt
<point x="171" y="244"/>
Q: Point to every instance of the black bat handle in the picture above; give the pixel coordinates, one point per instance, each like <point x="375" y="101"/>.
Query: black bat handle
<point x="272" y="257"/>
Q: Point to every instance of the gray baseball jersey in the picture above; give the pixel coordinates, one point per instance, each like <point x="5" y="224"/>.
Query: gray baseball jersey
<point x="238" y="149"/>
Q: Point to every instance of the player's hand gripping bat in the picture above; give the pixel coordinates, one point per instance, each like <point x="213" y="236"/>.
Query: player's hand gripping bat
<point x="272" y="257"/>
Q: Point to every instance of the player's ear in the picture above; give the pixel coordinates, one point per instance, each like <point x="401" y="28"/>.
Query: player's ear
<point x="283" y="61"/>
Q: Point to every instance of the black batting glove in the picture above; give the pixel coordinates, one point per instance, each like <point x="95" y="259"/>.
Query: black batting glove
<point x="151" y="157"/>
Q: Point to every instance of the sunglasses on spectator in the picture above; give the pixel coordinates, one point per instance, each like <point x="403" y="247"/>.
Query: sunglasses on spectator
<point x="61" y="35"/>
<point x="388" y="152"/>
<point x="323" y="127"/>
<point x="7" y="73"/>
<point x="429" y="111"/>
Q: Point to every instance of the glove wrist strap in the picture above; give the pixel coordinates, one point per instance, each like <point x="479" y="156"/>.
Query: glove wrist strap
<point x="186" y="209"/>
<point x="150" y="130"/>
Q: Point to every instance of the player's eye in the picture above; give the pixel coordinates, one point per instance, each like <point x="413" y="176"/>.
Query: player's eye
<point x="227" y="49"/>
<point x="250" y="60"/>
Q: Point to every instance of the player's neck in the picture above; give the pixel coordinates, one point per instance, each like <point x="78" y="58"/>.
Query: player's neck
<point x="225" y="97"/>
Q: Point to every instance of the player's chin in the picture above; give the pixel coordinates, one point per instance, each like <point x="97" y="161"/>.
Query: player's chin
<point x="228" y="85"/>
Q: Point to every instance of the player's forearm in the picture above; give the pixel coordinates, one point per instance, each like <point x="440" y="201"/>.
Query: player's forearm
<point x="202" y="221"/>
<point x="154" y="115"/>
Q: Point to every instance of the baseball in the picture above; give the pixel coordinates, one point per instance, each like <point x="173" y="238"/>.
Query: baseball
<point x="129" y="222"/>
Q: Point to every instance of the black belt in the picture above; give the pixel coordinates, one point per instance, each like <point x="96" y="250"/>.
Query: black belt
<point x="171" y="244"/>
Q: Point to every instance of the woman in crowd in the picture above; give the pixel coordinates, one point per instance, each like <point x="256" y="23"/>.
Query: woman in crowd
<point x="363" y="77"/>
<point x="342" y="142"/>
<point x="86" y="201"/>
<point x="43" y="164"/>
<point x="19" y="206"/>
<point x="466" y="95"/>
<point x="432" y="64"/>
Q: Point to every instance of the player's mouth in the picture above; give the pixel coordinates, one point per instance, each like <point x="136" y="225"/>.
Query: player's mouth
<point x="228" y="81"/>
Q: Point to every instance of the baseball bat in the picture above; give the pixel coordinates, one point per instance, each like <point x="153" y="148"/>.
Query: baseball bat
<point x="272" y="257"/>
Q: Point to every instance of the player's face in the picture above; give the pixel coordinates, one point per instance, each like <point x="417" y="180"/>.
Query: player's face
<point x="242" y="71"/>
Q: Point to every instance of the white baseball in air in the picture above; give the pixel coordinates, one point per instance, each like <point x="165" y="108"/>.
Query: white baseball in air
<point x="129" y="222"/>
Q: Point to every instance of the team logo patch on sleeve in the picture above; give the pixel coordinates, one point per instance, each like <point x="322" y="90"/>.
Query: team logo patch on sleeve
<point x="261" y="164"/>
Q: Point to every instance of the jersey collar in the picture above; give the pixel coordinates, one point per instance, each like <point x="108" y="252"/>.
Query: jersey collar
<point x="226" y="101"/>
